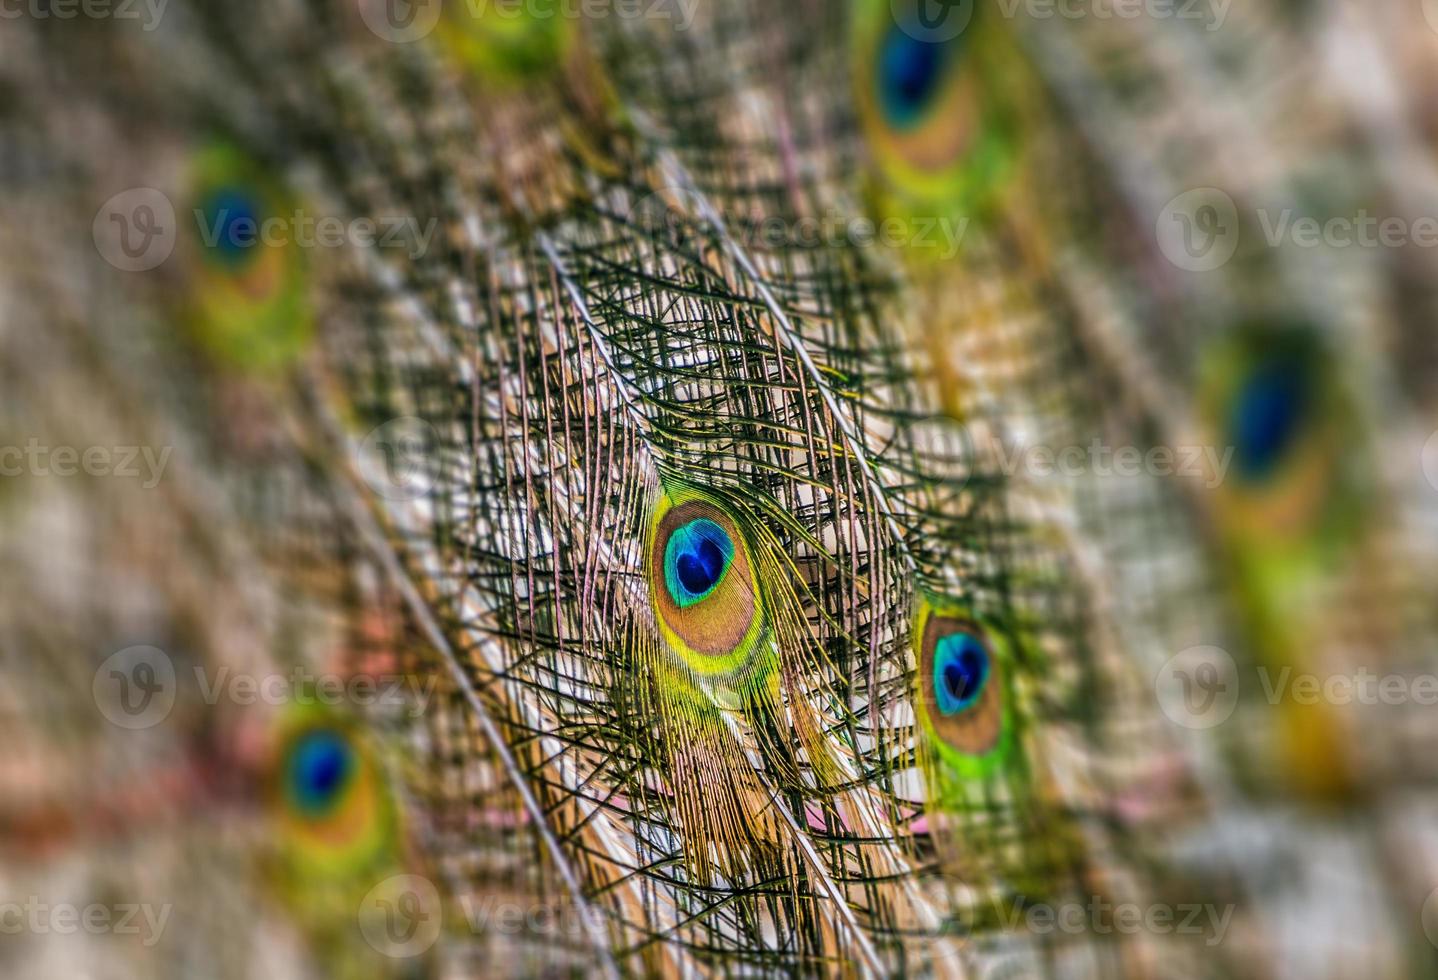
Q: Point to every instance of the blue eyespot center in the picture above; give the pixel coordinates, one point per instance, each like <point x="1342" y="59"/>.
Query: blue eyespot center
<point x="695" y="560"/>
<point x="321" y="764"/>
<point x="910" y="69"/>
<point x="232" y="225"/>
<point x="961" y="669"/>
<point x="1266" y="418"/>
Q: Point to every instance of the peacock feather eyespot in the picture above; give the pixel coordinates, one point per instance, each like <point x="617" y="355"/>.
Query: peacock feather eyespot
<point x="964" y="705"/>
<point x="1290" y="511"/>
<point x="1269" y="394"/>
<point x="329" y="797"/>
<point x="932" y="99"/>
<point x="703" y="582"/>
<point x="247" y="296"/>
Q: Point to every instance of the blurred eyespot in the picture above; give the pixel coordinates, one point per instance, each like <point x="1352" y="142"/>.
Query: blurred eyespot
<point x="247" y="294"/>
<point x="934" y="104"/>
<point x="332" y="807"/>
<point x="505" y="44"/>
<point x="909" y="75"/>
<point x="969" y="742"/>
<point x="1270" y="396"/>
<point x="504" y="41"/>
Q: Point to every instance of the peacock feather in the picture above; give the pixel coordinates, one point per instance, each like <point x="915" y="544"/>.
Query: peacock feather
<point x="668" y="459"/>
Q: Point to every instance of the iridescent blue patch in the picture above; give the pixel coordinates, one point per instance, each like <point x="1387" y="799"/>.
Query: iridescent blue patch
<point x="231" y="225"/>
<point x="320" y="766"/>
<point x="696" y="558"/>
<point x="909" y="76"/>
<point x="961" y="668"/>
<point x="1267" y="416"/>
